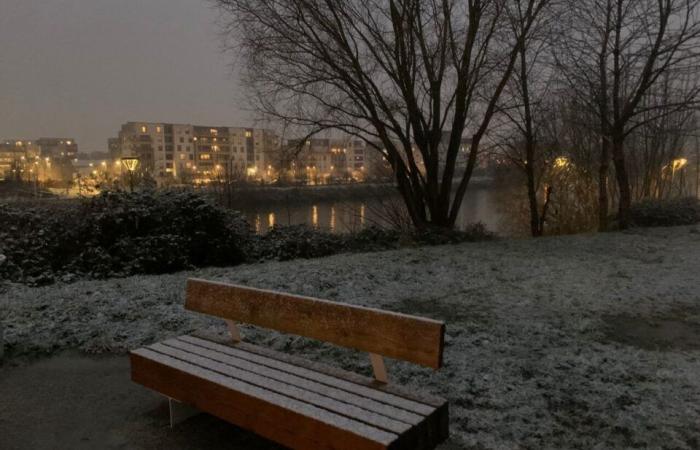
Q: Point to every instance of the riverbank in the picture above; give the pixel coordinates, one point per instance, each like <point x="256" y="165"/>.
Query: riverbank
<point x="251" y="196"/>
<point x="588" y="341"/>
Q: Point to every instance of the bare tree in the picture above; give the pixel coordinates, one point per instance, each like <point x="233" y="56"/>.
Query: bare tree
<point x="415" y="75"/>
<point x="529" y="114"/>
<point x="612" y="54"/>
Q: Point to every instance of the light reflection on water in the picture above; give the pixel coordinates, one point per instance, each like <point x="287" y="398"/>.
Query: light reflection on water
<point x="480" y="205"/>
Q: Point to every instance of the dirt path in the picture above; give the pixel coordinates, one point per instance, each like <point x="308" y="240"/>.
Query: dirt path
<point x="77" y="402"/>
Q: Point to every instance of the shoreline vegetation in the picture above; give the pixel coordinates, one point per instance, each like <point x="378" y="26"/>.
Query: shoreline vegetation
<point x="117" y="234"/>
<point x="252" y="195"/>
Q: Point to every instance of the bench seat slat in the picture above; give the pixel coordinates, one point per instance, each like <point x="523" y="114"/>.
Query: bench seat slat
<point x="288" y="390"/>
<point x="310" y="385"/>
<point x="286" y="420"/>
<point x="360" y="385"/>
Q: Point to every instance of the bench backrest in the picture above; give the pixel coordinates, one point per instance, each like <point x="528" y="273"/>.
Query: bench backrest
<point x="410" y="338"/>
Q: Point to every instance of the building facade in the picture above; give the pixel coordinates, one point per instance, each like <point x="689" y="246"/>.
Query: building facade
<point x="184" y="153"/>
<point x="43" y="159"/>
<point x="327" y="160"/>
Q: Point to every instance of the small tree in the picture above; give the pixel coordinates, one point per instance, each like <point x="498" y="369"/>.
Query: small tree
<point x="529" y="115"/>
<point x="612" y="54"/>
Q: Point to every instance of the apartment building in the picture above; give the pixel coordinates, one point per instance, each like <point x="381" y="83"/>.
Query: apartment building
<point x="323" y="160"/>
<point x="185" y="153"/>
<point x="15" y="157"/>
<point x="42" y="159"/>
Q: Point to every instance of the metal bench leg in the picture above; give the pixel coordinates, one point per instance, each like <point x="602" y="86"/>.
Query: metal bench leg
<point x="179" y="412"/>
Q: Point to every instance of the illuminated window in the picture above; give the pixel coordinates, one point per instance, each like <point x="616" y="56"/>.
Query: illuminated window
<point x="157" y="130"/>
<point x="143" y="129"/>
<point x="205" y="156"/>
<point x="213" y="131"/>
<point x="248" y="134"/>
<point x="183" y="156"/>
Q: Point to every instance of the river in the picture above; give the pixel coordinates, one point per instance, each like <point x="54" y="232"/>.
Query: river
<point x="481" y="204"/>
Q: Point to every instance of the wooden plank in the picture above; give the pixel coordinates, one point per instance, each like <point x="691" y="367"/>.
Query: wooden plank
<point x="410" y="338"/>
<point x="410" y="398"/>
<point x="264" y="372"/>
<point x="287" y="421"/>
<point x="330" y="376"/>
<point x="288" y="390"/>
<point x="429" y="434"/>
<point x="378" y="368"/>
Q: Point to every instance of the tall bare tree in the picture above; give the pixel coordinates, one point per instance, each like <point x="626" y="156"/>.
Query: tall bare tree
<point x="612" y="54"/>
<point x="415" y="75"/>
<point x="529" y="114"/>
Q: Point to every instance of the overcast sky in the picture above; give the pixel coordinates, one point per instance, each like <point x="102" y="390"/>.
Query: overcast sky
<point x="81" y="68"/>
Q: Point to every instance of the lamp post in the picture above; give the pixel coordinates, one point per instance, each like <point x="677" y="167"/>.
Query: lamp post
<point x="130" y="163"/>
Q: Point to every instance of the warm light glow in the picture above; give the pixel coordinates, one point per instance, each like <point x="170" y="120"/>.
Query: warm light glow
<point x="271" y="219"/>
<point x="251" y="171"/>
<point x="314" y="216"/>
<point x="561" y="162"/>
<point x="130" y="163"/>
<point x="679" y="163"/>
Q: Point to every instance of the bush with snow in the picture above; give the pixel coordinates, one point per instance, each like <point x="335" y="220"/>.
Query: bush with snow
<point x="118" y="234"/>
<point x="668" y="212"/>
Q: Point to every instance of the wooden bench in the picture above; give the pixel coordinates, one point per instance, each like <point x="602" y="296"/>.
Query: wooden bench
<point x="292" y="401"/>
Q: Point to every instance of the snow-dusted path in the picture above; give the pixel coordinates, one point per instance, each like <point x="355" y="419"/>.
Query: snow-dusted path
<point x="571" y="342"/>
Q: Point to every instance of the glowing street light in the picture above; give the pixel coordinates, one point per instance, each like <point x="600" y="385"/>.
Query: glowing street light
<point x="679" y="163"/>
<point x="561" y="162"/>
<point x="130" y="163"/>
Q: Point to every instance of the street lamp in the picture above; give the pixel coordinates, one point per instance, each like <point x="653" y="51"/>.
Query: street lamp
<point x="130" y="163"/>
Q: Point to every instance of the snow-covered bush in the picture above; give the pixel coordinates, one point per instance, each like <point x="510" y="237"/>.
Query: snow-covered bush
<point x="301" y="241"/>
<point x="118" y="233"/>
<point x="671" y="212"/>
<point x="296" y="241"/>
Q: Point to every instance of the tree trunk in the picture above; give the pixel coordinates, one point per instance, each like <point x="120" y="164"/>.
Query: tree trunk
<point x="623" y="183"/>
<point x="603" y="173"/>
<point x="535" y="228"/>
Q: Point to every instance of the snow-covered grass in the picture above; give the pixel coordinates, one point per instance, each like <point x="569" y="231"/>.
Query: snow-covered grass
<point x="589" y="341"/>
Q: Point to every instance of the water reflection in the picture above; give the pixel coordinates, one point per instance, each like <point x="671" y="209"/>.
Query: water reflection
<point x="480" y="205"/>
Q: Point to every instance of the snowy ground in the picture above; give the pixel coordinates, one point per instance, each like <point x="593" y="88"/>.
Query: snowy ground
<point x="570" y="342"/>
